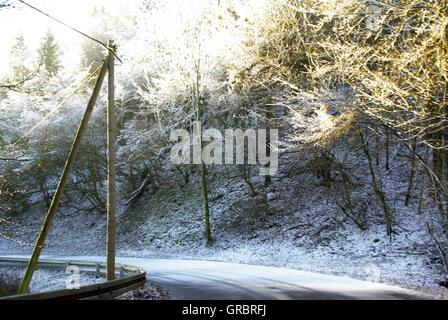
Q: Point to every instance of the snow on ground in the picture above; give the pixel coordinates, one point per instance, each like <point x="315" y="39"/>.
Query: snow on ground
<point x="50" y="279"/>
<point x="148" y="292"/>
<point x="385" y="266"/>
<point x="53" y="279"/>
<point x="299" y="226"/>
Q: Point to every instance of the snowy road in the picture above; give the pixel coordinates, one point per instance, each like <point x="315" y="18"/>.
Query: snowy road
<point x="208" y="280"/>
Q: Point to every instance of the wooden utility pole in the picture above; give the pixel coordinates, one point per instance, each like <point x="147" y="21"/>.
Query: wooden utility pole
<point x="62" y="182"/>
<point x="111" y="175"/>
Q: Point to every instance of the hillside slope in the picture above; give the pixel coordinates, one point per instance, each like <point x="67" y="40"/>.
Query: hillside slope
<point x="297" y="224"/>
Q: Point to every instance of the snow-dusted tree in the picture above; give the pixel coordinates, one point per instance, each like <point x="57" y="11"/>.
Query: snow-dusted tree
<point x="394" y="57"/>
<point x="375" y="68"/>
<point x="20" y="60"/>
<point x="395" y="60"/>
<point x="49" y="55"/>
<point x="190" y="64"/>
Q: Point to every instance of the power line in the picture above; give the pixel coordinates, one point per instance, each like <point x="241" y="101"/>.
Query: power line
<point x="73" y="29"/>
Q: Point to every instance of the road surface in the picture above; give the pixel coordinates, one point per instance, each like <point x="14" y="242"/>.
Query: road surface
<point x="209" y="280"/>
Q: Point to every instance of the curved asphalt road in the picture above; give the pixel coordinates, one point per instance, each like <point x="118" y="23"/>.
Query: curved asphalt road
<point x="209" y="280"/>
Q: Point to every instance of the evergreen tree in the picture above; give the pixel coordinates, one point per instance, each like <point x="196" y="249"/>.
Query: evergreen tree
<point x="19" y="60"/>
<point x="49" y="54"/>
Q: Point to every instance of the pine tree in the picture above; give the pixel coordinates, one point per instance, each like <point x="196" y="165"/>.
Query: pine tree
<point x="49" y="54"/>
<point x="19" y="60"/>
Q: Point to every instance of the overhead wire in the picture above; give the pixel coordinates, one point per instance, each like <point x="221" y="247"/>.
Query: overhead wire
<point x="111" y="49"/>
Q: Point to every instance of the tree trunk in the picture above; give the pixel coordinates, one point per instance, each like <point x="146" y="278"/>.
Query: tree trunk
<point x="376" y="188"/>
<point x="377" y="150"/>
<point x="197" y="104"/>
<point x="207" y="229"/>
<point x="387" y="149"/>
<point x="411" y="172"/>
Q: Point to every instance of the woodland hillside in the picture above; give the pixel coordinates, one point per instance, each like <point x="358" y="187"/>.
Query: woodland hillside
<point x="357" y="90"/>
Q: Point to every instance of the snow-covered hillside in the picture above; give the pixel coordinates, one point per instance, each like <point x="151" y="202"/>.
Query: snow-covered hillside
<point x="299" y="226"/>
<point x="358" y="101"/>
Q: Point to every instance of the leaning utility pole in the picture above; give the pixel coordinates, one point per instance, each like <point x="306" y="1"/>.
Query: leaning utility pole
<point x="62" y="182"/>
<point x="111" y="174"/>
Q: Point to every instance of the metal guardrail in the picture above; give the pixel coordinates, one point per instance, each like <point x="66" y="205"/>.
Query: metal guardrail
<point x="131" y="278"/>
